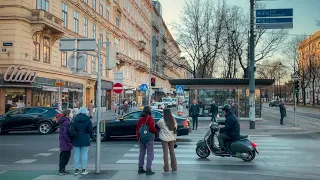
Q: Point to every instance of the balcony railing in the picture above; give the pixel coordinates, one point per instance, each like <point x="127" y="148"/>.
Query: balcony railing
<point x="122" y="58"/>
<point x="141" y="65"/>
<point x="51" y="22"/>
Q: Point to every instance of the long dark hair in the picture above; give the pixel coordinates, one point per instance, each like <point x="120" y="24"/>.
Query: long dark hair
<point x="146" y="111"/>
<point x="66" y="112"/>
<point x="169" y="119"/>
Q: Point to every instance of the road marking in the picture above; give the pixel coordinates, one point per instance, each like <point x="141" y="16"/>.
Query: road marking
<point x="55" y="149"/>
<point x="11" y="144"/>
<point x="258" y="146"/>
<point x="43" y="154"/>
<point x="26" y="161"/>
<point x="260" y="150"/>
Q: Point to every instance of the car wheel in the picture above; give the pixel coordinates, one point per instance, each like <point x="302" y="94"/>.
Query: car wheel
<point x="54" y="129"/>
<point x="45" y="128"/>
<point x="103" y="136"/>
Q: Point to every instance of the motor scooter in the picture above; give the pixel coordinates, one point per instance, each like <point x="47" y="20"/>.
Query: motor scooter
<point x="241" y="147"/>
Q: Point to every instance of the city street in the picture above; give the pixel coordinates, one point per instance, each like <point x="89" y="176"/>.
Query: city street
<point x="31" y="156"/>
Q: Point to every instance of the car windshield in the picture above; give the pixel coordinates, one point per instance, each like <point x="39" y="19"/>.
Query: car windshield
<point x="166" y="100"/>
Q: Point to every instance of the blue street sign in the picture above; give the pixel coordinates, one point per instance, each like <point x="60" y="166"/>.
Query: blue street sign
<point x="274" y="12"/>
<point x="144" y="88"/>
<point x="273" y="20"/>
<point x="275" y="26"/>
<point x="179" y="89"/>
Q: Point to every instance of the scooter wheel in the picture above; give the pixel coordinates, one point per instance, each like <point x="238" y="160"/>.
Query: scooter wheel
<point x="202" y="152"/>
<point x="249" y="156"/>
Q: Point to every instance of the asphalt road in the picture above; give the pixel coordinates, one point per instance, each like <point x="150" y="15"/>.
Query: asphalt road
<point x="281" y="157"/>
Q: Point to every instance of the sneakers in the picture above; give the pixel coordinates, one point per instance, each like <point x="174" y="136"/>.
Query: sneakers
<point x="76" y="172"/>
<point x="149" y="172"/>
<point x="84" y="172"/>
<point x="63" y="172"/>
<point x="164" y="172"/>
<point x="141" y="170"/>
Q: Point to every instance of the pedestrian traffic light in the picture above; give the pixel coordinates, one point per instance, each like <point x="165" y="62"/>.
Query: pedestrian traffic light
<point x="153" y="81"/>
<point x="296" y="86"/>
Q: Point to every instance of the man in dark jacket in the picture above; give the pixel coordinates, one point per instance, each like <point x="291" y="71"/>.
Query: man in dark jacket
<point x="283" y="112"/>
<point x="214" y="111"/>
<point x="231" y="129"/>
<point x="194" y="113"/>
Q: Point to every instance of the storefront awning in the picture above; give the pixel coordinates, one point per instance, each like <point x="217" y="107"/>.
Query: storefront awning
<point x="19" y="86"/>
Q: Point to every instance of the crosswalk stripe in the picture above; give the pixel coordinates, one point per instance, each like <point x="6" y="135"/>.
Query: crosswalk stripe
<point x="271" y="150"/>
<point x="194" y="146"/>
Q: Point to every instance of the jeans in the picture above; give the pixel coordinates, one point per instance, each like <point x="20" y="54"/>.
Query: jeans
<point x="165" y="147"/>
<point x="281" y="119"/>
<point x="150" y="153"/>
<point x="195" y="121"/>
<point x="64" y="159"/>
<point x="221" y="138"/>
<point x="213" y="119"/>
<point x="83" y="152"/>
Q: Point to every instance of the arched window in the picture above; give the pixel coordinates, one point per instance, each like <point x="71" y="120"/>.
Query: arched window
<point x="36" y="47"/>
<point x="46" y="49"/>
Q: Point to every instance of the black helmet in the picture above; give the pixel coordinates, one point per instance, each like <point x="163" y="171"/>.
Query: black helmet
<point x="226" y="107"/>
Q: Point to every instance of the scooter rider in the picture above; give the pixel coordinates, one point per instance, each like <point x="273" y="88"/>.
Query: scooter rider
<point x="231" y="129"/>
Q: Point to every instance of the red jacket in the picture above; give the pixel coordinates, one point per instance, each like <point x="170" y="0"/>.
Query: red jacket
<point x="150" y="124"/>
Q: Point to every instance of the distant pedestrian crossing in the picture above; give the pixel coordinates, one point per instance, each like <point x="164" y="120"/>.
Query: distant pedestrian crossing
<point x="270" y="148"/>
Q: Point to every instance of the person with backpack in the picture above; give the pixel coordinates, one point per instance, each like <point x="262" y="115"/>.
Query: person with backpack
<point x="64" y="141"/>
<point x="81" y="131"/>
<point x="167" y="134"/>
<point x="146" y="131"/>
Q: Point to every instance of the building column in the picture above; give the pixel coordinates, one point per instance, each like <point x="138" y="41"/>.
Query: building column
<point x="29" y="97"/>
<point x="2" y="100"/>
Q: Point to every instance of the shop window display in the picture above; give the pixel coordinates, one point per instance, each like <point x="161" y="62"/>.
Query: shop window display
<point x="15" y="98"/>
<point x="42" y="98"/>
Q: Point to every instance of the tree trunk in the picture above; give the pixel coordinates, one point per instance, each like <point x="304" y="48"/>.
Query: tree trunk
<point x="313" y="93"/>
<point x="304" y="96"/>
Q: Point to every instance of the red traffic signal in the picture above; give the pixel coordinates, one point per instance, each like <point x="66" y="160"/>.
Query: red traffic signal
<point x="153" y="81"/>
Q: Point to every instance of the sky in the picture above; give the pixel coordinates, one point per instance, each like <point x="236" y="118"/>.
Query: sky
<point x="305" y="13"/>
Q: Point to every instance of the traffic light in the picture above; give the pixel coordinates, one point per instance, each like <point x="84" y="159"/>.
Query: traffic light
<point x="153" y="81"/>
<point x="296" y="86"/>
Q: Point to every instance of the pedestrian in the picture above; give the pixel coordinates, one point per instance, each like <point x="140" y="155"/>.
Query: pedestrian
<point x="214" y="111"/>
<point x="283" y="112"/>
<point x="167" y="134"/>
<point x="81" y="142"/>
<point x="146" y="119"/>
<point x="194" y="112"/>
<point x="90" y="108"/>
<point x="64" y="141"/>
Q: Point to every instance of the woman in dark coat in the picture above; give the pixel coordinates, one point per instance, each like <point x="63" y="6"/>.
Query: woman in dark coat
<point x="65" y="141"/>
<point x="81" y="142"/>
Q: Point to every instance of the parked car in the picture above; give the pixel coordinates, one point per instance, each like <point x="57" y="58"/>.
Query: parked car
<point x="156" y="105"/>
<point x="125" y="126"/>
<point x="274" y="103"/>
<point x="174" y="102"/>
<point x="42" y="119"/>
<point x="167" y="102"/>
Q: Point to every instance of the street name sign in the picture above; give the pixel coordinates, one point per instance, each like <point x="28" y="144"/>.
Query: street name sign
<point x="274" y="12"/>
<point x="275" y="26"/>
<point x="273" y="20"/>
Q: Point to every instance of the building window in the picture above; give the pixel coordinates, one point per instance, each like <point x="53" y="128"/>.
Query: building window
<point x="85" y="27"/>
<point x="101" y="8"/>
<point x="65" y="14"/>
<point x="46" y="49"/>
<point x="76" y="22"/>
<point x="117" y="22"/>
<point x="94" y="4"/>
<point x="36" y="47"/>
<point x="85" y="1"/>
<point x="101" y="36"/>
<point x="93" y="65"/>
<point x="43" y="4"/>
<point x="124" y="4"/>
<point x="86" y="58"/>
<point x="93" y="31"/>
<point x="64" y="59"/>
<point x="107" y="13"/>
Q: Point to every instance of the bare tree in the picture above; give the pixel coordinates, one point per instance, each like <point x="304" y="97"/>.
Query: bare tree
<point x="271" y="70"/>
<point x="312" y="66"/>
<point x="200" y="34"/>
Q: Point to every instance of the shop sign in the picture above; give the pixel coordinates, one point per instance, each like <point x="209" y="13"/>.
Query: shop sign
<point x="19" y="74"/>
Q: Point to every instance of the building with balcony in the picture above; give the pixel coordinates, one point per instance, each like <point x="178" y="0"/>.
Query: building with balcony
<point x="308" y="67"/>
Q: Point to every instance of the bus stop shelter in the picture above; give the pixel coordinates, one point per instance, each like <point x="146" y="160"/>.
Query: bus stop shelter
<point x="224" y="91"/>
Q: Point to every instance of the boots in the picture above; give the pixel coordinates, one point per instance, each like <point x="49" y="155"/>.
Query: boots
<point x="149" y="172"/>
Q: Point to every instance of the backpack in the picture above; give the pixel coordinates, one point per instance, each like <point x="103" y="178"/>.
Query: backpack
<point x="72" y="129"/>
<point x="145" y="134"/>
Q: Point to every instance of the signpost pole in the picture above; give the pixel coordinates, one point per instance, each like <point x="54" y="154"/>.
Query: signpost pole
<point x="98" y="139"/>
<point x="251" y="77"/>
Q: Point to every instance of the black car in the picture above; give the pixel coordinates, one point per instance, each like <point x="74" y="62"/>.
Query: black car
<point x="42" y="119"/>
<point x="126" y="126"/>
<point x="275" y="103"/>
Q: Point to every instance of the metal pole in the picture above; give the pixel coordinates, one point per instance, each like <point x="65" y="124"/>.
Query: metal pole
<point x="252" y="78"/>
<point x="294" y="93"/>
<point x="98" y="139"/>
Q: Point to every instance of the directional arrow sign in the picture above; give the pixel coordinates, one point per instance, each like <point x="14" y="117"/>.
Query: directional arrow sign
<point x="275" y="26"/>
<point x="273" y="20"/>
<point x="274" y="12"/>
